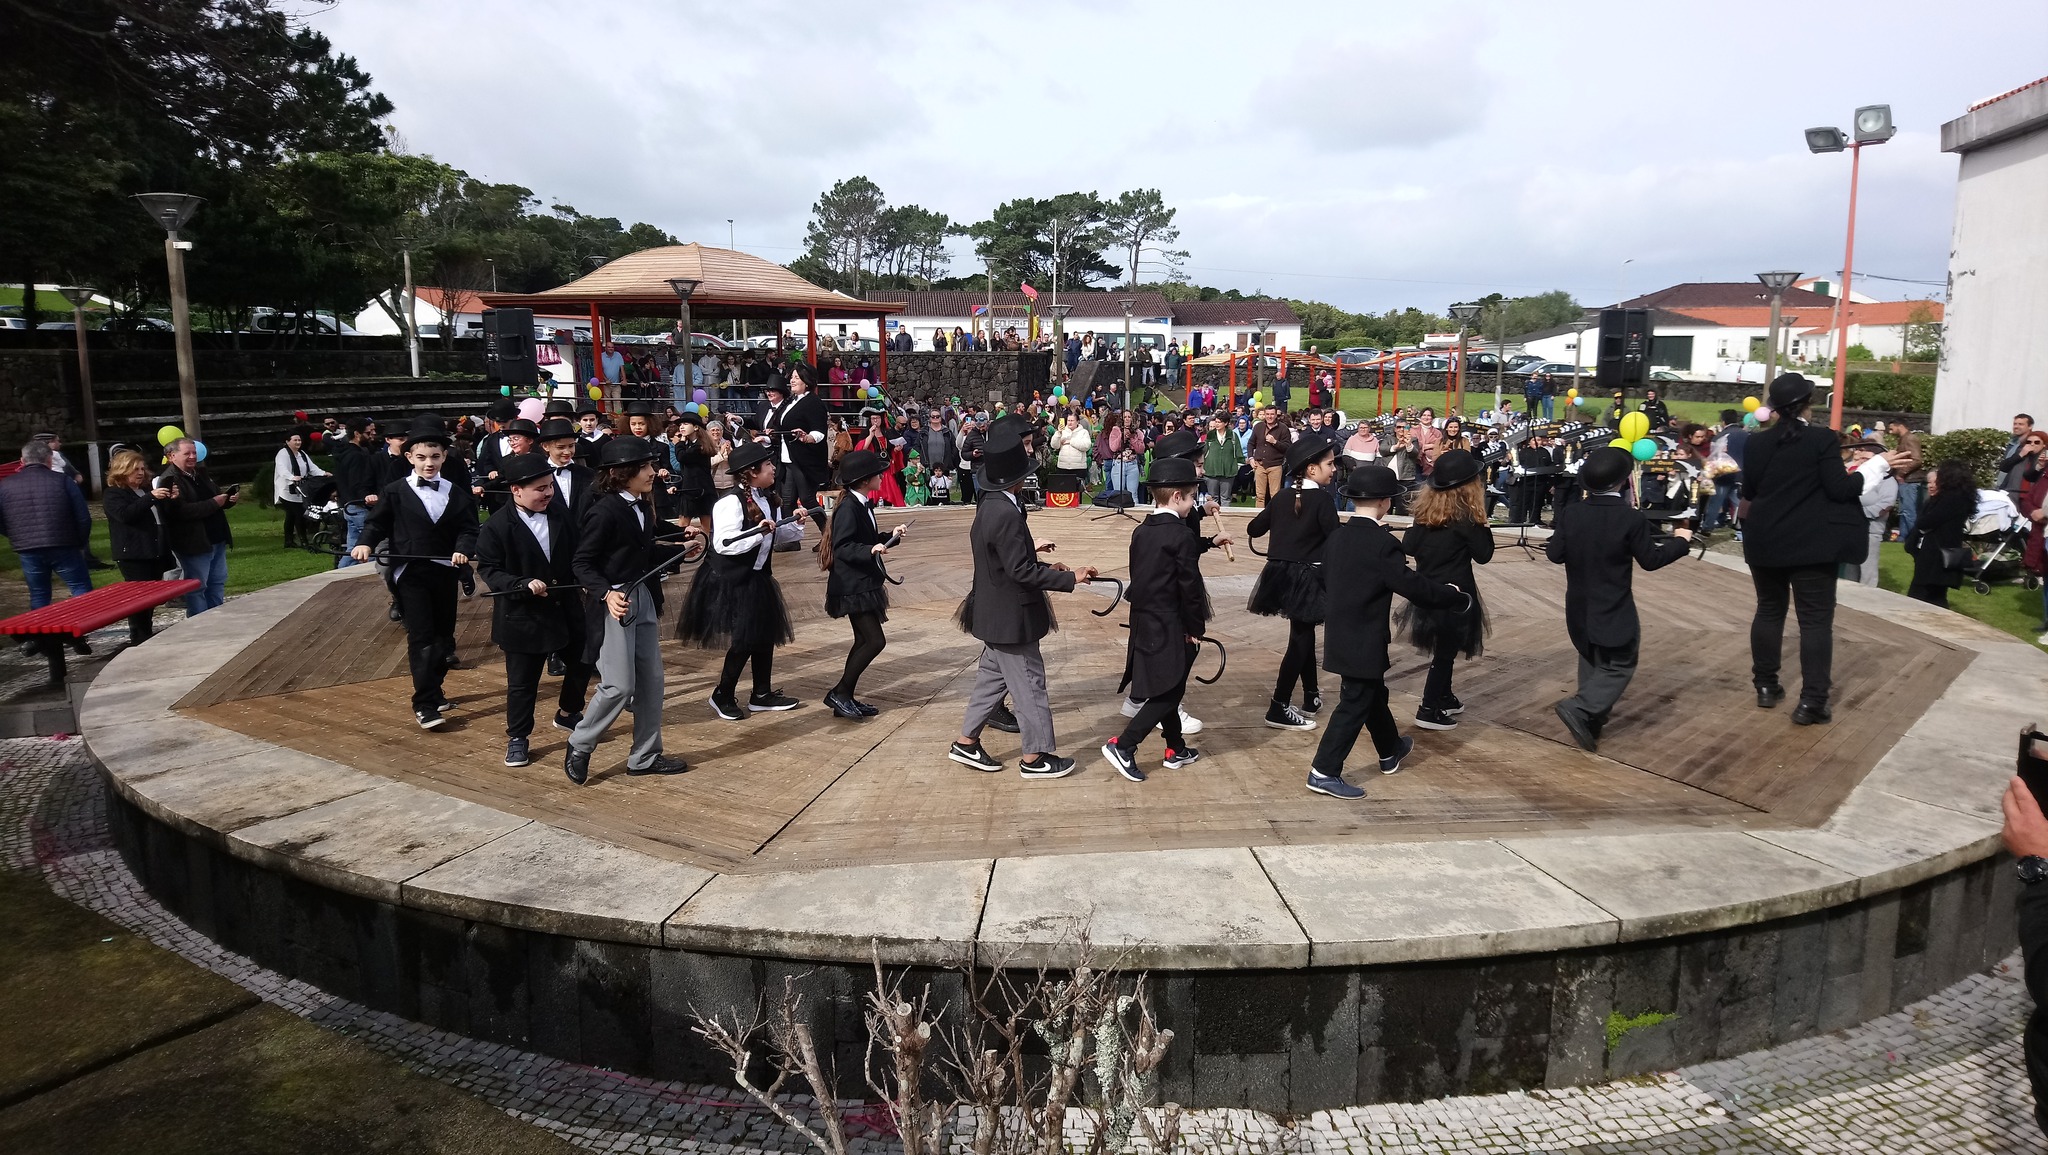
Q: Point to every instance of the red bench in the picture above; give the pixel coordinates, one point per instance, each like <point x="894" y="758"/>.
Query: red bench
<point x="76" y="617"/>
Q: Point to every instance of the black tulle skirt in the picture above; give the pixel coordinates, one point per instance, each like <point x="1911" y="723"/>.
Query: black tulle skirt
<point x="694" y="503"/>
<point x="729" y="610"/>
<point x="1466" y="630"/>
<point x="1291" y="590"/>
<point x="870" y="601"/>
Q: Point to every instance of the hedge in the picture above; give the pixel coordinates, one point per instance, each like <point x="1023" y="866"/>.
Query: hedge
<point x="1980" y="449"/>
<point x="1891" y="392"/>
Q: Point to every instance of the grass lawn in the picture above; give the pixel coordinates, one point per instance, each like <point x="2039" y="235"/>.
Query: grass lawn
<point x="257" y="559"/>
<point x="2008" y="607"/>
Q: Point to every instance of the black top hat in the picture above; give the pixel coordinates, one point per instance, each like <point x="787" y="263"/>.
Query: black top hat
<point x="777" y="384"/>
<point x="556" y="428"/>
<point x="1015" y="423"/>
<point x="1186" y="443"/>
<point x="585" y="406"/>
<point x="859" y="465"/>
<point x="502" y="410"/>
<point x="625" y="451"/>
<point x="1790" y="390"/>
<point x="521" y="468"/>
<point x="1004" y="461"/>
<point x="745" y="456"/>
<point x="639" y="409"/>
<point x="1604" y="469"/>
<point x="1371" y="483"/>
<point x="1305" y="450"/>
<point x="1170" y="470"/>
<point x="520" y="425"/>
<point x="1453" y="469"/>
<point x="689" y="417"/>
<point x="558" y="407"/>
<point x="429" y="428"/>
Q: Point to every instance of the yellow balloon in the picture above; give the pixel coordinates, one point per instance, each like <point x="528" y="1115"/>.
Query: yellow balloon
<point x="1750" y="404"/>
<point x="596" y="394"/>
<point x="1634" y="426"/>
<point x="1571" y="392"/>
<point x="168" y="434"/>
<point x="1619" y="443"/>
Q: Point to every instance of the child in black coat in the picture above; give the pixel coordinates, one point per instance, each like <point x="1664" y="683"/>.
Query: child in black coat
<point x="1169" y="608"/>
<point x="1300" y="519"/>
<point x="855" y="587"/>
<point x="1449" y="537"/>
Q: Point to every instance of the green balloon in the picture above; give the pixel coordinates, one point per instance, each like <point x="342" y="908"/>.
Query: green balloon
<point x="1644" y="449"/>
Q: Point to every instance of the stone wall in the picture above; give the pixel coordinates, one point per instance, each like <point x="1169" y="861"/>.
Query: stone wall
<point x="37" y="395"/>
<point x="980" y="378"/>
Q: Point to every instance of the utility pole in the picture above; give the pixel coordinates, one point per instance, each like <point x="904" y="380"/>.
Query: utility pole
<point x="411" y="303"/>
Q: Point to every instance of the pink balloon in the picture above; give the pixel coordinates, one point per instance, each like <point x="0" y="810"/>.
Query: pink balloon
<point x="532" y="408"/>
<point x="1763" y="413"/>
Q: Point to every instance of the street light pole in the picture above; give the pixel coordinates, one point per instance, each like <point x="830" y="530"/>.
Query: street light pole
<point x="1777" y="281"/>
<point x="683" y="287"/>
<point x="1128" y="304"/>
<point x="1873" y="125"/>
<point x="78" y="295"/>
<point x="172" y="210"/>
<point x="1059" y="337"/>
<point x="1260" y="324"/>
<point x="1579" y="328"/>
<point x="412" y="323"/>
<point x="1456" y="402"/>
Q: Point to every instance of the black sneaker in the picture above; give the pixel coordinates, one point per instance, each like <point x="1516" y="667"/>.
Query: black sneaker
<point x="1118" y="761"/>
<point x="773" y="700"/>
<point x="80" y="647"/>
<point x="1311" y="701"/>
<point x="843" y="706"/>
<point x="1454" y="707"/>
<point x="973" y="756"/>
<point x="1768" y="695"/>
<point x="1046" y="766"/>
<point x="393" y="613"/>
<point x="1282" y="716"/>
<point x="515" y="752"/>
<point x="726" y="707"/>
<point x="446" y="704"/>
<point x="1392" y="763"/>
<point x="662" y="764"/>
<point x="429" y="718"/>
<point x="1002" y="719"/>
<point x="1175" y="759"/>
<point x="567" y="721"/>
<point x="1428" y="719"/>
<point x="576" y="766"/>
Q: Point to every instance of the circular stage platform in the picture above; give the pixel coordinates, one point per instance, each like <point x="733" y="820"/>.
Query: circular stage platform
<point x="1476" y="923"/>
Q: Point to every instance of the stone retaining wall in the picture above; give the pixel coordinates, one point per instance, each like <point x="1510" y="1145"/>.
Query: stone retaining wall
<point x="979" y="378"/>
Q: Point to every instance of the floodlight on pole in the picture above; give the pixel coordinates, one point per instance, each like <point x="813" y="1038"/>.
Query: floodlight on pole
<point x="683" y="287"/>
<point x="1777" y="281"/>
<point x="170" y="211"/>
<point x="1463" y="314"/>
<point x="80" y="296"/>
<point x="1059" y="336"/>
<point x="1873" y="125"/>
<point x="1128" y="304"/>
<point x="1579" y="328"/>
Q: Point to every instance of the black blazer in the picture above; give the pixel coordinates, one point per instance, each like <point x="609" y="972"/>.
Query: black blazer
<point x="613" y="548"/>
<point x="509" y="557"/>
<point x="805" y="413"/>
<point x="587" y="448"/>
<point x="135" y="525"/>
<point x="582" y="485"/>
<point x="1599" y="541"/>
<point x="1448" y="553"/>
<point x="1357" y="631"/>
<point x="693" y="469"/>
<point x="1803" y="507"/>
<point x="490" y="453"/>
<point x="1007" y="605"/>
<point x="1169" y="603"/>
<point x="400" y="517"/>
<point x="193" y="522"/>
<point x="1939" y="526"/>
<point x="1298" y="536"/>
<point x="855" y="580"/>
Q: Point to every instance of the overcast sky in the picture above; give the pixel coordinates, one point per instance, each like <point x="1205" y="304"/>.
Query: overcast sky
<point x="1366" y="154"/>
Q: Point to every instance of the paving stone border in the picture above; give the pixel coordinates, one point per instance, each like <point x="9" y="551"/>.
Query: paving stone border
<point x="1352" y="955"/>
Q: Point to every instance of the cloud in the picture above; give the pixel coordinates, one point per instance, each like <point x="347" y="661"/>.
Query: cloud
<point x="1358" y="95"/>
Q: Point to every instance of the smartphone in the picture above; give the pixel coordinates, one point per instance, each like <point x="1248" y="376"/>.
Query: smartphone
<point x="2033" y="762"/>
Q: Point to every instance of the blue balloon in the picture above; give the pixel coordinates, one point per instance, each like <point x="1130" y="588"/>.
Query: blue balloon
<point x="199" y="447"/>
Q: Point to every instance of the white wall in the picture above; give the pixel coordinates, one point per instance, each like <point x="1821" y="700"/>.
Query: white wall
<point x="1286" y="337"/>
<point x="1995" y="336"/>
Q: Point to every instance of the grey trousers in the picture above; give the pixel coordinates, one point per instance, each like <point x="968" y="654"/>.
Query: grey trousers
<point x="628" y="669"/>
<point x="1602" y="678"/>
<point x="1867" y="572"/>
<point x="1018" y="671"/>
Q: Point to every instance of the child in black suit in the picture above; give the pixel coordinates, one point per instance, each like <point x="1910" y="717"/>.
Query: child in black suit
<point x="425" y="515"/>
<point x="526" y="555"/>
<point x="1599" y="540"/>
<point x="1169" y="608"/>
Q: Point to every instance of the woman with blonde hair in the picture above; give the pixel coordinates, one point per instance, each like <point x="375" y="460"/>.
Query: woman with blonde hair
<point x="1448" y="538"/>
<point x="136" y="529"/>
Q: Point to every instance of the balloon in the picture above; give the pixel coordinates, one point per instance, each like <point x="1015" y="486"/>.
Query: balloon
<point x="298" y="415"/>
<point x="1572" y="393"/>
<point x="1751" y="405"/>
<point x="1577" y="400"/>
<point x="956" y="401"/>
<point x="1634" y="426"/>
<point x="533" y="409"/>
<point x="1643" y="450"/>
<point x="699" y="395"/>
<point x="596" y="394"/>
<point x="199" y="447"/>
<point x="168" y="434"/>
<point x="1763" y="413"/>
<point x="1618" y="443"/>
<point x="875" y="391"/>
<point x="504" y="391"/>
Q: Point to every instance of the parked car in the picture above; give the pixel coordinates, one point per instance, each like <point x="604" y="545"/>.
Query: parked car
<point x="1423" y="363"/>
<point x="62" y="326"/>
<point x="132" y="322"/>
<point x="1521" y="361"/>
<point x="1357" y="354"/>
<point x="17" y="323"/>
<point x="1664" y="375"/>
<point x="1543" y="367"/>
<point x="319" y="324"/>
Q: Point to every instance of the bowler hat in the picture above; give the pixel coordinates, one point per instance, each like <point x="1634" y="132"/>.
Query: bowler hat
<point x="1184" y="443"/>
<point x="427" y="427"/>
<point x="521" y="468"/>
<point x="1305" y="450"/>
<point x="689" y="417"/>
<point x="1790" y="390"/>
<point x="1371" y="483"/>
<point x="777" y="384"/>
<point x="502" y="410"/>
<point x="556" y="429"/>
<point x="558" y="407"/>
<point x="1004" y="461"/>
<point x="639" y="409"/>
<point x="585" y="406"/>
<point x="859" y="465"/>
<point x="1171" y="471"/>
<point x="745" y="456"/>
<point x="1604" y="469"/>
<point x="625" y="451"/>
<point x="1453" y="469"/>
<point x="520" y="425"/>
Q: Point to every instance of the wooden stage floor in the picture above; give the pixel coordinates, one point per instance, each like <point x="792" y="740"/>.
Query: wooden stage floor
<point x="802" y="789"/>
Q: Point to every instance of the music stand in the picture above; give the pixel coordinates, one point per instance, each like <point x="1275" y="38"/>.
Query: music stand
<point x="1118" y="503"/>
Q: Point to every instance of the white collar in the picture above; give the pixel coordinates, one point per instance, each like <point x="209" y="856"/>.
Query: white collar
<point x="1307" y="484"/>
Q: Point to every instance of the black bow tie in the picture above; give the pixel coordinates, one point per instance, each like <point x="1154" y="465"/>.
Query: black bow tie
<point x="423" y="483"/>
<point x="560" y="470"/>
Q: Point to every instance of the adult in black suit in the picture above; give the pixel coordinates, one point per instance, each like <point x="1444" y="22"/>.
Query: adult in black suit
<point x="796" y="422"/>
<point x="1951" y="500"/>
<point x="1300" y="519"/>
<point x="1599" y="540"/>
<point x="575" y="483"/>
<point x="525" y="553"/>
<point x="1800" y="520"/>
<point x="425" y="515"/>
<point x="1536" y="468"/>
<point x="1007" y="610"/>
<point x="855" y="588"/>
<point x="1359" y="630"/>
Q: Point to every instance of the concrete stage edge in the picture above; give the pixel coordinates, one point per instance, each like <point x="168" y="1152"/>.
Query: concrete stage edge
<point x="1296" y="978"/>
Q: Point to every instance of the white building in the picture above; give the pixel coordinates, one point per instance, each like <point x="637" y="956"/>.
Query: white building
<point x="1154" y="319"/>
<point x="461" y="309"/>
<point x="1996" y="336"/>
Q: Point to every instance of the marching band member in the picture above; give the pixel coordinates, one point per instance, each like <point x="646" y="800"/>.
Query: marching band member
<point x="854" y="586"/>
<point x="734" y="601"/>
<point x="526" y="553"/>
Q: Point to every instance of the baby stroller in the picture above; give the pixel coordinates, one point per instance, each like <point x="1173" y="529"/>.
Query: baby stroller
<point x="1997" y="535"/>
<point x="329" y="529"/>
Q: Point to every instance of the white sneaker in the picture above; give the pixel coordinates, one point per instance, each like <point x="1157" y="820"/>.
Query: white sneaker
<point x="1189" y="724"/>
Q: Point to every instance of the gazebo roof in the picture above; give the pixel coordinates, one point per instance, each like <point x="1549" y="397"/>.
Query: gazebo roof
<point x="734" y="286"/>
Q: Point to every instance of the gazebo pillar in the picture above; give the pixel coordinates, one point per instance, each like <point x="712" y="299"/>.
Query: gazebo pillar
<point x="811" y="335"/>
<point x="882" y="331"/>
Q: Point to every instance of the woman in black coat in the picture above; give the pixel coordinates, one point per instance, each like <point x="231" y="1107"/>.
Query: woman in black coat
<point x="1448" y="538"/>
<point x="854" y="584"/>
<point x="136" y="527"/>
<point x="1801" y="519"/>
<point x="1951" y="499"/>
<point x="1300" y="519"/>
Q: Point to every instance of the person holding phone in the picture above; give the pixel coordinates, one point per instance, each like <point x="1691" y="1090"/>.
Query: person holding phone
<point x="2026" y="837"/>
<point x="196" y="524"/>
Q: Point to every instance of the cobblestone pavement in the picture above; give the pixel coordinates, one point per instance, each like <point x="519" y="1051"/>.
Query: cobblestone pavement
<point x="1943" y="1075"/>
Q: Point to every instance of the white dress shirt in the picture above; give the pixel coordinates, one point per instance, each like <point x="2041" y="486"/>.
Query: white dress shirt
<point x="565" y="483"/>
<point x="433" y="493"/>
<point x="537" y="524"/>
<point x="727" y="519"/>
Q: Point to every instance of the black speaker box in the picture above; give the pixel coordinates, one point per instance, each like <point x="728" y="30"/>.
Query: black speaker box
<point x="508" y="346"/>
<point x="1624" y="351"/>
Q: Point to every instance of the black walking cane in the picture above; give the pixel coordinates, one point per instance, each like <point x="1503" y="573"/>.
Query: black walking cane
<point x="1222" y="660"/>
<point x="1114" y="602"/>
<point x="685" y="557"/>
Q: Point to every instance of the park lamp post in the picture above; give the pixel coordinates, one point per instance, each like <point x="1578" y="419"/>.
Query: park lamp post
<point x="683" y="287"/>
<point x="1059" y="337"/>
<point x="1873" y="126"/>
<point x="172" y="210"/>
<point x="1463" y="314"/>
<point x="1777" y="281"/>
<point x="78" y="295"/>
<point x="1579" y="328"/>
<point x="1128" y="304"/>
<point x="410" y="298"/>
<point x="1260" y="325"/>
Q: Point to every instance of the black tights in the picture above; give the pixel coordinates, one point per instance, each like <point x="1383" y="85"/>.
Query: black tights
<point x="868" y="641"/>
<point x="735" y="660"/>
<point x="1299" y="662"/>
<point x="1436" y="689"/>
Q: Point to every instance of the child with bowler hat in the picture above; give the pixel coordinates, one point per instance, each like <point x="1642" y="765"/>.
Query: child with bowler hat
<point x="1169" y="609"/>
<point x="526" y="555"/>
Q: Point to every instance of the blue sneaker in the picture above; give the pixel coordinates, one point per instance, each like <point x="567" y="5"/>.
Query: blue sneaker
<point x="1334" y="787"/>
<point x="1391" y="764"/>
<point x="1121" y="762"/>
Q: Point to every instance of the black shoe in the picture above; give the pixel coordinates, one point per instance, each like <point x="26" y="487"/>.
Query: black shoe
<point x="1428" y="719"/>
<point x="662" y="764"/>
<point x="773" y="700"/>
<point x="1581" y="730"/>
<point x="1186" y="755"/>
<point x="1454" y="707"/>
<point x="95" y="563"/>
<point x="1118" y="761"/>
<point x="515" y="752"/>
<point x="576" y="766"/>
<point x="973" y="756"/>
<point x="393" y="613"/>
<point x="429" y="718"/>
<point x="843" y="706"/>
<point x="1046" y="766"/>
<point x="1311" y="701"/>
<point x="1391" y="764"/>
<point x="80" y="647"/>
<point x="452" y="662"/>
<point x="1768" y="695"/>
<point x="726" y="707"/>
<point x="864" y="708"/>
<point x="1282" y="716"/>
<point x="445" y="706"/>
<point x="1811" y="714"/>
<point x="555" y="667"/>
<point x="1002" y="719"/>
<point x="567" y="721"/>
